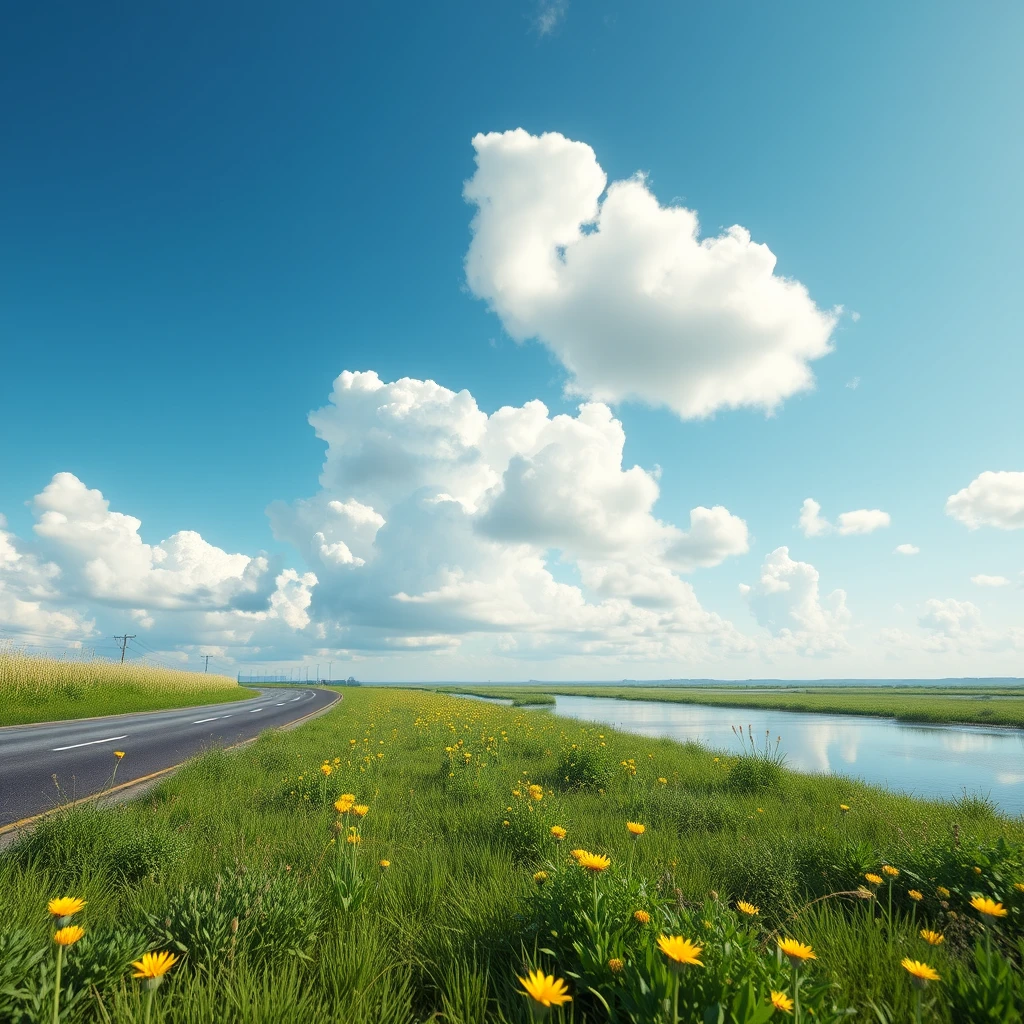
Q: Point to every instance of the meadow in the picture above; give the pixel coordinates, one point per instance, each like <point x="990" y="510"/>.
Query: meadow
<point x="981" y="706"/>
<point x="413" y="857"/>
<point x="36" y="689"/>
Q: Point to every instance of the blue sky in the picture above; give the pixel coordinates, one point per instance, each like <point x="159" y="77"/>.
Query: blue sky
<point x="208" y="215"/>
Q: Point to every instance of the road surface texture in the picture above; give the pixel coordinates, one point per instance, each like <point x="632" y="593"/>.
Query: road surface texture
<point x="42" y="766"/>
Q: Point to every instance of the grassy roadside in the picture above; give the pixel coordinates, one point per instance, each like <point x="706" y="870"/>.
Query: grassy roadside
<point x="230" y="864"/>
<point x="49" y="690"/>
<point x="996" y="706"/>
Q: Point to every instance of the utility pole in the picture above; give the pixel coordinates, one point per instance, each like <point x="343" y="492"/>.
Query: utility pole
<point x="124" y="643"/>
<point x="207" y="657"/>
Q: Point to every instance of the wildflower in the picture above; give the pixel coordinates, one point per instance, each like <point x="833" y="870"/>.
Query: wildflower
<point x="540" y="877"/>
<point x="536" y="792"/>
<point x="119" y="754"/>
<point x="888" y="869"/>
<point x="844" y="808"/>
<point x="873" y="879"/>
<point x="68" y="936"/>
<point x="920" y="973"/>
<point x="932" y="938"/>
<point x="558" y="832"/>
<point x="915" y="895"/>
<point x="747" y="908"/>
<point x="545" y="989"/>
<point x="782" y="1002"/>
<point x="360" y="810"/>
<point x="942" y="891"/>
<point x="642" y="916"/>
<point x="595" y="862"/>
<point x="976" y="870"/>
<point x="505" y="823"/>
<point x="343" y="804"/>
<point x="353" y="838"/>
<point x="990" y="908"/>
<point x="664" y="782"/>
<point x="635" y="828"/>
<point x="1019" y="886"/>
<point x="797" y="952"/>
<point x="577" y="854"/>
<point x="680" y="952"/>
<point x="326" y="769"/>
<point x="385" y="864"/>
<point x="65" y="907"/>
<point x="615" y="965"/>
<point x="153" y="966"/>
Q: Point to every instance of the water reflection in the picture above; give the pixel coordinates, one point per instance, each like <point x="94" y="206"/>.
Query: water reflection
<point x="936" y="761"/>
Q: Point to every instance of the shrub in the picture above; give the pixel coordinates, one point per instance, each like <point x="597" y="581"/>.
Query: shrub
<point x="583" y="768"/>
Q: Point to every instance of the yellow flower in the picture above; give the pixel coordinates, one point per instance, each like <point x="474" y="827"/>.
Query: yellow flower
<point x="65" y="906"/>
<point x="153" y="965"/>
<point x="932" y="938"/>
<point x="983" y="905"/>
<point x="797" y="952"/>
<point x="536" y="792"/>
<point x="664" y="782"/>
<point x="642" y="916"/>
<point x="635" y="828"/>
<point x="782" y="1002"/>
<point x="360" y="810"/>
<point x="915" y="895"/>
<point x="873" y="879"/>
<point x="976" y="870"/>
<point x="680" y="952"/>
<point x="942" y="891"/>
<point x="343" y="804"/>
<point x="385" y="864"/>
<point x="119" y="754"/>
<point x="326" y="769"/>
<point x="595" y="862"/>
<point x="540" y="877"/>
<point x="577" y="853"/>
<point x="747" y="908"/>
<point x="353" y="838"/>
<point x="558" y="832"/>
<point x="545" y="989"/>
<point x="615" y="965"/>
<point x="920" y="974"/>
<point x="844" y="808"/>
<point x="1019" y="886"/>
<point x="888" y="869"/>
<point x="68" y="936"/>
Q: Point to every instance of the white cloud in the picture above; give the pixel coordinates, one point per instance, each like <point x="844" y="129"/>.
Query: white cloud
<point x="863" y="520"/>
<point x="860" y="521"/>
<point x="550" y="13"/>
<point x="624" y="291"/>
<point x="906" y="549"/>
<point x="787" y="602"/>
<point x="853" y="383"/>
<point x="981" y="580"/>
<point x="990" y="499"/>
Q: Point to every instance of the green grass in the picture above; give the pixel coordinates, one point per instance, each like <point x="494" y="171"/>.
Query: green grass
<point x="989" y="706"/>
<point x="50" y="689"/>
<point x="231" y="858"/>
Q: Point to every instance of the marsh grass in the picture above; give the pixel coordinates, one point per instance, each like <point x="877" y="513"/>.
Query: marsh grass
<point x="443" y="932"/>
<point x="34" y="689"/>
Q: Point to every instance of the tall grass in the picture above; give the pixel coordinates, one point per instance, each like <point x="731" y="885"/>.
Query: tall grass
<point x="230" y="864"/>
<point x="34" y="689"/>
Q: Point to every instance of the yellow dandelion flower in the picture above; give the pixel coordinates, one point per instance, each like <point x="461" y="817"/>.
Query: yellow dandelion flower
<point x="558" y="832"/>
<point x="797" y="952"/>
<point x="353" y="838"/>
<point x="663" y="781"/>
<point x="536" y="792"/>
<point x="540" y="877"/>
<point x="942" y="891"/>
<point x="153" y="965"/>
<point x="119" y="754"/>
<point x="920" y="973"/>
<point x="344" y="804"/>
<point x="636" y="828"/>
<point x="844" y="808"/>
<point x="747" y="908"/>
<point x="782" y="1002"/>
<point x="873" y="879"/>
<point x="545" y="989"/>
<point x="326" y="769"/>
<point x="360" y="810"/>
<point x="595" y="862"/>
<point x="577" y="853"/>
<point x="385" y="864"/>
<point x="68" y="936"/>
<point x="976" y="870"/>
<point x="932" y="938"/>
<point x="615" y="965"/>
<point x="915" y="895"/>
<point x="681" y="952"/>
<point x="990" y="908"/>
<point x="65" y="906"/>
<point x="888" y="869"/>
<point x="642" y="916"/>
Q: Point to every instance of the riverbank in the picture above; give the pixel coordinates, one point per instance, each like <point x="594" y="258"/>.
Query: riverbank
<point x="949" y="706"/>
<point x="439" y="908"/>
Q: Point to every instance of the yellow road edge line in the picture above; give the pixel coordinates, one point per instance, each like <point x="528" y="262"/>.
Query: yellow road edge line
<point x="15" y="825"/>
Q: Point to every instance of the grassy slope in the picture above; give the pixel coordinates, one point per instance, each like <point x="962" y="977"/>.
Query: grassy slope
<point x="997" y="706"/>
<point x="445" y="928"/>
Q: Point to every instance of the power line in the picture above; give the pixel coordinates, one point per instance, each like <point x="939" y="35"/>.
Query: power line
<point x="124" y="643"/>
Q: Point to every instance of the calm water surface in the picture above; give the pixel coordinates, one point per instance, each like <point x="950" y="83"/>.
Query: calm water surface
<point x="936" y="761"/>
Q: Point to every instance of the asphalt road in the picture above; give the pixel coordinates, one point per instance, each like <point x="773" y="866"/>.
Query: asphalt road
<point x="42" y="766"/>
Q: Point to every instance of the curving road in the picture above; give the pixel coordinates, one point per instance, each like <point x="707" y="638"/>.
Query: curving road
<point x="42" y="766"/>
